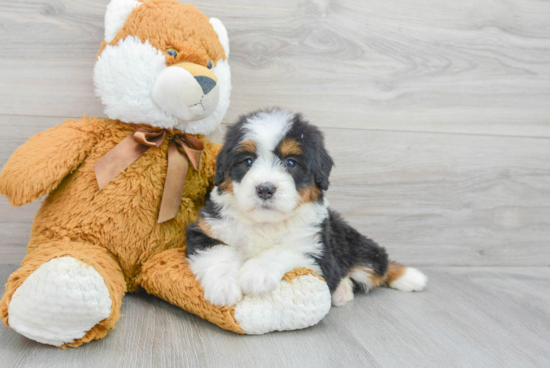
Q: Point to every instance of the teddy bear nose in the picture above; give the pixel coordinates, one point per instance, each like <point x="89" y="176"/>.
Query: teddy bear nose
<point x="206" y="83"/>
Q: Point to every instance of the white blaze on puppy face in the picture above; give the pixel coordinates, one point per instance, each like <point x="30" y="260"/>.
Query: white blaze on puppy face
<point x="267" y="131"/>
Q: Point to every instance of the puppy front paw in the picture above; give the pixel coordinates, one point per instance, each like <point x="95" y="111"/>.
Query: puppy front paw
<point x="259" y="276"/>
<point x="222" y="291"/>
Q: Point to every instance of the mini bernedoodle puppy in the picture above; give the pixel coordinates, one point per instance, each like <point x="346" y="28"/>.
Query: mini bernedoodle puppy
<point x="268" y="215"/>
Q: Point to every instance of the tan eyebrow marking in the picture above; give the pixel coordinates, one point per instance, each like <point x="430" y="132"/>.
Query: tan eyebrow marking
<point x="247" y="146"/>
<point x="290" y="147"/>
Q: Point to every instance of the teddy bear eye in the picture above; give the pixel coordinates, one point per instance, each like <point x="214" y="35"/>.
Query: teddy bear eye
<point x="172" y="52"/>
<point x="209" y="65"/>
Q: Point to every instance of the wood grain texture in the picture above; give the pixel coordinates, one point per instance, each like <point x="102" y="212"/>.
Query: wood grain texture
<point x="480" y="67"/>
<point x="468" y="317"/>
<point x="429" y="198"/>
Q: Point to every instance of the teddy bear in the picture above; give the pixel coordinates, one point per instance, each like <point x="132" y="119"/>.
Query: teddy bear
<point x="121" y="190"/>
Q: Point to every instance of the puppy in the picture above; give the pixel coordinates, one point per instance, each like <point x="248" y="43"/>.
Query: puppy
<point x="268" y="215"/>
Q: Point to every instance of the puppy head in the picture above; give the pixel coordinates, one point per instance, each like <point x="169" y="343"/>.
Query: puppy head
<point x="272" y="161"/>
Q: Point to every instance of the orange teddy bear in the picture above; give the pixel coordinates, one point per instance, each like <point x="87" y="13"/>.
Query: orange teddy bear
<point x="120" y="191"/>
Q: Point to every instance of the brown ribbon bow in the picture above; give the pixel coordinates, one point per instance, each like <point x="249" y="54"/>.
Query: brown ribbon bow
<point x="181" y="149"/>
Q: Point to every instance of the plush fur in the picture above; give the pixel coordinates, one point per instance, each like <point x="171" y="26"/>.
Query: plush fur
<point x="269" y="215"/>
<point x="89" y="247"/>
<point x="135" y="61"/>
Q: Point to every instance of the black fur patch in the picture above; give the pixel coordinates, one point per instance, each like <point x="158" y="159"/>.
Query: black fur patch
<point x="210" y="210"/>
<point x="197" y="240"/>
<point x="314" y="164"/>
<point x="344" y="247"/>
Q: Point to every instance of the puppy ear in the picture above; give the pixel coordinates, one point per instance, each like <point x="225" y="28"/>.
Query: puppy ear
<point x="222" y="166"/>
<point x="324" y="167"/>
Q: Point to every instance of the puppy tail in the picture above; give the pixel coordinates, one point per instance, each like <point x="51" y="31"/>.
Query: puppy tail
<point x="397" y="277"/>
<point x="405" y="278"/>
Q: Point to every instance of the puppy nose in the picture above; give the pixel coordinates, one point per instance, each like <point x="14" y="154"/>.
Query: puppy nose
<point x="206" y="83"/>
<point x="266" y="190"/>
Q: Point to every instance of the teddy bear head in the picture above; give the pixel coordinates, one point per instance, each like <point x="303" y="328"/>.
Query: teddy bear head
<point x="164" y="64"/>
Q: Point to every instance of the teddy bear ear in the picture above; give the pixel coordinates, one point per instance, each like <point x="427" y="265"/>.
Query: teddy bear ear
<point x="117" y="12"/>
<point x="222" y="34"/>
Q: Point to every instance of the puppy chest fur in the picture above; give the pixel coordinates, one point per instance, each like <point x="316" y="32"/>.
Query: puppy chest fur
<point x="300" y="233"/>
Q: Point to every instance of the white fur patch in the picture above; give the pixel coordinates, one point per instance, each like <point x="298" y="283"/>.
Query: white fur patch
<point x="291" y="306"/>
<point x="299" y="232"/>
<point x="59" y="302"/>
<point x="343" y="293"/>
<point x="116" y="15"/>
<point x="411" y="280"/>
<point x="267" y="129"/>
<point x="124" y="76"/>
<point x="222" y="34"/>
<point x="216" y="269"/>
<point x="263" y="273"/>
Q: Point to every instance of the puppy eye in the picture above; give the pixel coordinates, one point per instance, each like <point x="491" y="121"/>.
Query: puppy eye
<point x="172" y="52"/>
<point x="290" y="163"/>
<point x="248" y="162"/>
<point x="209" y="65"/>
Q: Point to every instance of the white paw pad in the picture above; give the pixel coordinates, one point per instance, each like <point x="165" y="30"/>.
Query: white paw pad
<point x="343" y="293"/>
<point x="59" y="302"/>
<point x="411" y="280"/>
<point x="291" y="306"/>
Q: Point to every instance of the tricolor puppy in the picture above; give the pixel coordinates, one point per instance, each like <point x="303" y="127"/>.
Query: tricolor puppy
<point x="269" y="215"/>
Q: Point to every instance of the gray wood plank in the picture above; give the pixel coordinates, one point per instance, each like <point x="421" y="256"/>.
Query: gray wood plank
<point x="431" y="199"/>
<point x="480" y="67"/>
<point x="468" y="317"/>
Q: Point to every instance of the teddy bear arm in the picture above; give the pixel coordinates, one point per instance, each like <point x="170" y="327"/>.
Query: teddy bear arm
<point x="38" y="166"/>
<point x="301" y="300"/>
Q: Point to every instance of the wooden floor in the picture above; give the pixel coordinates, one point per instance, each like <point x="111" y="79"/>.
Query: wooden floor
<point x="468" y="317"/>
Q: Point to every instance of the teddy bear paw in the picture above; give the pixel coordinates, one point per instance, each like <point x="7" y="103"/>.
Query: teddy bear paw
<point x="59" y="302"/>
<point x="301" y="303"/>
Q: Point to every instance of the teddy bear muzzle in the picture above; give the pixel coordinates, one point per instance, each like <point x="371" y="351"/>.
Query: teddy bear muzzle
<point x="186" y="90"/>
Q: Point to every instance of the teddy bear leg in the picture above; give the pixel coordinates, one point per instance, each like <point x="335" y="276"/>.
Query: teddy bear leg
<point x="301" y="300"/>
<point x="65" y="294"/>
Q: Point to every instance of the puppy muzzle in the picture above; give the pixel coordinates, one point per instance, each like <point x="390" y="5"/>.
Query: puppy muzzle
<point x="266" y="191"/>
<point x="186" y="90"/>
